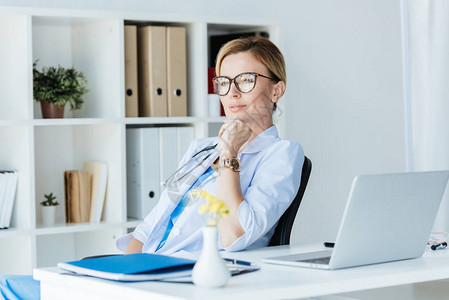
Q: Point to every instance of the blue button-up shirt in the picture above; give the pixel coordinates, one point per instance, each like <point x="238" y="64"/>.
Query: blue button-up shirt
<point x="270" y="176"/>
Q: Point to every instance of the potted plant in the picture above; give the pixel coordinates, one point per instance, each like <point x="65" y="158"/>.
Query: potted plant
<point x="49" y="210"/>
<point x="54" y="87"/>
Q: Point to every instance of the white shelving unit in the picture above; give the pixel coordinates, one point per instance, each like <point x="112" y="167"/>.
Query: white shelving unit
<point x="42" y="149"/>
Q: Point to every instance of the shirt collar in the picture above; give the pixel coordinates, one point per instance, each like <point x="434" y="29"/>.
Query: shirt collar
<point x="261" y="141"/>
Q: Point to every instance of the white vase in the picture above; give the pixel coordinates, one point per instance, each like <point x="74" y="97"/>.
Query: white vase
<point x="210" y="270"/>
<point x="48" y="215"/>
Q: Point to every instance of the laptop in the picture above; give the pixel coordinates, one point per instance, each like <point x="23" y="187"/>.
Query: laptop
<point x="388" y="217"/>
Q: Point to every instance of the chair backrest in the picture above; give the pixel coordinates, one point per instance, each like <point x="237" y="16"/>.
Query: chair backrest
<point x="283" y="229"/>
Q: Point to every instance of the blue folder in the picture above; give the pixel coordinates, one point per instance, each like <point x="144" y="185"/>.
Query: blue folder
<point x="132" y="267"/>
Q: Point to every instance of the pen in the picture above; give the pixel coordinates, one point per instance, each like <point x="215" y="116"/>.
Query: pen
<point x="439" y="246"/>
<point x="239" y="262"/>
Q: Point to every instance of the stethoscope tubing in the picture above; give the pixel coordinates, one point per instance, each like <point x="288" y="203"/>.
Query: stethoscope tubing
<point x="194" y="167"/>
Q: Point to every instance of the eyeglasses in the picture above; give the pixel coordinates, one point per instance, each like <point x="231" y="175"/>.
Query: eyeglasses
<point x="244" y="82"/>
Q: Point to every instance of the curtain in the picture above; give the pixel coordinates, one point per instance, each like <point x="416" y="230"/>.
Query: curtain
<point x="428" y="46"/>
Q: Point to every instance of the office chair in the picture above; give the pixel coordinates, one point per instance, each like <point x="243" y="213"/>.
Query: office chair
<point x="283" y="229"/>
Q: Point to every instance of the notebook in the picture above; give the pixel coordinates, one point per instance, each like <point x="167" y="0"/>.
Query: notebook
<point x="388" y="217"/>
<point x="132" y="267"/>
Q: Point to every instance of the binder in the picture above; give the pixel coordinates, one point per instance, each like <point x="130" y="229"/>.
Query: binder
<point x="143" y="181"/>
<point x="152" y="71"/>
<point x="152" y="155"/>
<point x="168" y="151"/>
<point x="132" y="267"/>
<point x="131" y="89"/>
<point x="98" y="183"/>
<point x="210" y="85"/>
<point x="176" y="72"/>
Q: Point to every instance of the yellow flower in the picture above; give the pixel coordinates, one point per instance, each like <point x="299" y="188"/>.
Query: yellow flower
<point x="203" y="208"/>
<point x="213" y="209"/>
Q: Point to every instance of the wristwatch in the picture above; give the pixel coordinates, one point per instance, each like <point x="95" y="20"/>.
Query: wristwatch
<point x="231" y="163"/>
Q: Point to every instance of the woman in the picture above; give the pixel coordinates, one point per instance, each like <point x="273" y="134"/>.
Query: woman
<point x="258" y="173"/>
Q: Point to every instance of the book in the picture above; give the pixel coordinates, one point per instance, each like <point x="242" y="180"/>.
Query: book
<point x="132" y="267"/>
<point x="77" y="196"/>
<point x="2" y="193"/>
<point x="9" y="196"/>
<point x="98" y="184"/>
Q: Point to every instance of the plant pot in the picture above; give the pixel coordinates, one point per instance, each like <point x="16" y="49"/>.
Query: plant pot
<point x="48" y="215"/>
<point x="210" y="269"/>
<point x="51" y="111"/>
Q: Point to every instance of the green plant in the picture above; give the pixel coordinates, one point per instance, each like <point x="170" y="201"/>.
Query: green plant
<point x="49" y="201"/>
<point x="59" y="86"/>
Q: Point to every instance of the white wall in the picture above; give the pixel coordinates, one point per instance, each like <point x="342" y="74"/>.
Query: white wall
<point x="344" y="92"/>
<point x="346" y="104"/>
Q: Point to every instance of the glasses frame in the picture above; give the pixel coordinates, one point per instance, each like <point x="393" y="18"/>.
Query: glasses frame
<point x="236" y="84"/>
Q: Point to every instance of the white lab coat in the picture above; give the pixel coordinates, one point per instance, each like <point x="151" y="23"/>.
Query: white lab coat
<point x="270" y="177"/>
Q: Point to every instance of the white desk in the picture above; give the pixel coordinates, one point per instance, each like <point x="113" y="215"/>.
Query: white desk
<point x="271" y="282"/>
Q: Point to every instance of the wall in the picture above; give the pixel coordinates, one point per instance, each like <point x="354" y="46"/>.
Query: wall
<point x="344" y="100"/>
<point x="346" y="107"/>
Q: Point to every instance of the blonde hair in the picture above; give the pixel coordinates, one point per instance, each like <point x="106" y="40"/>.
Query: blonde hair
<point x="263" y="51"/>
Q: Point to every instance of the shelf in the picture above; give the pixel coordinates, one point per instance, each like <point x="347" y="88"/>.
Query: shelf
<point x="75" y="121"/>
<point x="132" y="223"/>
<point x="65" y="246"/>
<point x="91" y="46"/>
<point x="13" y="232"/>
<point x="92" y="42"/>
<point x="215" y="119"/>
<point x="61" y="228"/>
<point x="70" y="147"/>
<point x="162" y="120"/>
<point x="9" y="123"/>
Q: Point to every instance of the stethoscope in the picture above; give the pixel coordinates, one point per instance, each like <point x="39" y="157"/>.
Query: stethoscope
<point x="195" y="157"/>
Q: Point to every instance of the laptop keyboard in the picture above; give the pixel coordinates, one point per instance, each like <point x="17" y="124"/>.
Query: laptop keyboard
<point x="320" y="260"/>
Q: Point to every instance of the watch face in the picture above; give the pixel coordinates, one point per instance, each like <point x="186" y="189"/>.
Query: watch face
<point x="235" y="164"/>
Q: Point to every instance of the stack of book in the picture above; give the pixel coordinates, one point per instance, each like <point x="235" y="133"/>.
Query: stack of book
<point x="8" y="186"/>
<point x="85" y="192"/>
<point x="155" y="71"/>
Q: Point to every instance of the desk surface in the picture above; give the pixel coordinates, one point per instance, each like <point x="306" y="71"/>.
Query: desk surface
<point x="271" y="282"/>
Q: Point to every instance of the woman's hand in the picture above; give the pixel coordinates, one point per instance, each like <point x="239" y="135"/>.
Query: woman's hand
<point x="232" y="136"/>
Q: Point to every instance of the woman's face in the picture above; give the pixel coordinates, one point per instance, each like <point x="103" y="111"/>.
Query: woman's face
<point x="256" y="107"/>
